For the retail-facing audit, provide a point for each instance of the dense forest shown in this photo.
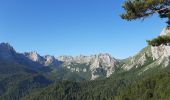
(29, 85)
(17, 80)
(150, 85)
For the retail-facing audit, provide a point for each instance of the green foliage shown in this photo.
(159, 40)
(137, 9)
(150, 87)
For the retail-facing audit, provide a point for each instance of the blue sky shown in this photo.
(74, 27)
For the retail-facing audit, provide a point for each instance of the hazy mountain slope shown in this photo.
(8, 54)
(18, 80)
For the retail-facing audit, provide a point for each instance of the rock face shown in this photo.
(144, 57)
(50, 60)
(150, 56)
(102, 62)
(34, 56)
(165, 31)
(102, 65)
(43, 60)
(160, 51)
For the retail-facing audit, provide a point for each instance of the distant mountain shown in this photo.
(87, 67)
(43, 60)
(8, 54)
(101, 65)
(144, 76)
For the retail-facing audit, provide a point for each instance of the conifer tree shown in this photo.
(140, 9)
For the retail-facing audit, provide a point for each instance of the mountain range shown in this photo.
(30, 71)
(100, 65)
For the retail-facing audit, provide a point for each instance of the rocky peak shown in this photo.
(101, 64)
(6, 47)
(34, 56)
(159, 55)
(6, 51)
(65, 58)
(105, 58)
(165, 31)
(162, 50)
(51, 60)
(98, 60)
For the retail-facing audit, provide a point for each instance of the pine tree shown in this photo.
(140, 9)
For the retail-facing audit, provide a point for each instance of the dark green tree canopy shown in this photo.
(140, 9)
